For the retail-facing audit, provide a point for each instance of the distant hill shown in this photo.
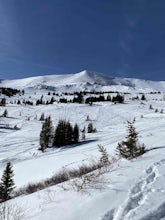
(85, 80)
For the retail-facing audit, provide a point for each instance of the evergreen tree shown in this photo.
(42, 118)
(52, 100)
(104, 159)
(118, 98)
(80, 98)
(46, 135)
(130, 148)
(3, 102)
(143, 98)
(76, 133)
(5, 113)
(18, 102)
(59, 138)
(108, 98)
(7, 183)
(83, 133)
(68, 132)
(90, 128)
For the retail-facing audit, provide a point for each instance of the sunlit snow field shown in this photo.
(132, 190)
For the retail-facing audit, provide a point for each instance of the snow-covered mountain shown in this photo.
(129, 190)
(84, 80)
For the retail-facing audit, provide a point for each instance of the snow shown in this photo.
(81, 81)
(132, 190)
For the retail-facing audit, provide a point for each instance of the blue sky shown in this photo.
(122, 38)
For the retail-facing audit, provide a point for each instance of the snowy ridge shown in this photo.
(85, 80)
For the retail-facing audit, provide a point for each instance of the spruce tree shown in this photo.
(46, 134)
(104, 159)
(68, 130)
(7, 183)
(76, 133)
(130, 148)
(143, 98)
(90, 128)
(59, 137)
(5, 113)
(42, 118)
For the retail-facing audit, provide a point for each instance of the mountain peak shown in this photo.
(84, 80)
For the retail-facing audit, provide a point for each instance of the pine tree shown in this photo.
(5, 113)
(76, 134)
(68, 131)
(90, 128)
(104, 159)
(130, 148)
(143, 98)
(108, 97)
(42, 118)
(3, 102)
(7, 183)
(59, 137)
(46, 134)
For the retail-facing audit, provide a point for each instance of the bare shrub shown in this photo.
(86, 181)
(94, 179)
(48, 197)
(9, 211)
(82, 176)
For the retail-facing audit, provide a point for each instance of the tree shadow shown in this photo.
(154, 148)
(62, 148)
(8, 128)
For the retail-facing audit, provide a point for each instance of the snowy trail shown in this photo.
(138, 198)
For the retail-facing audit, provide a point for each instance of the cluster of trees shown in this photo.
(80, 99)
(42, 102)
(10, 92)
(90, 93)
(100, 98)
(63, 134)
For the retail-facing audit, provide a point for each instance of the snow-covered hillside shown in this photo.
(85, 80)
(131, 190)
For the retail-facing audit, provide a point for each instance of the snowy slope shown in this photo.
(133, 190)
(85, 80)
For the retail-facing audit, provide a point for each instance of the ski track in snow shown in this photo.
(137, 197)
